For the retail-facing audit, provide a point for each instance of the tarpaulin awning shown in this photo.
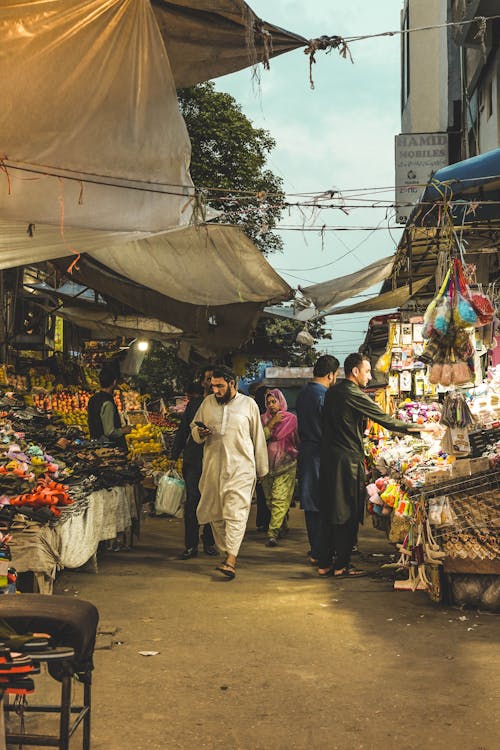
(108, 325)
(207, 265)
(213, 328)
(207, 39)
(22, 243)
(465, 177)
(387, 301)
(90, 130)
(330, 293)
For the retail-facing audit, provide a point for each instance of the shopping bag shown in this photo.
(171, 494)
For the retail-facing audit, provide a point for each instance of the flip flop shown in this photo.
(351, 573)
(227, 569)
(325, 572)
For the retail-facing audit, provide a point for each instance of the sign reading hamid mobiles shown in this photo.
(418, 155)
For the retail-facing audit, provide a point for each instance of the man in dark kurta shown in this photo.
(309, 407)
(342, 472)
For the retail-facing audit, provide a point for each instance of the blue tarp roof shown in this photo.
(466, 177)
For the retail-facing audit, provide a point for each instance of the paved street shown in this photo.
(280, 659)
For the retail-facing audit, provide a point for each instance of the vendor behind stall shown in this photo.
(103, 417)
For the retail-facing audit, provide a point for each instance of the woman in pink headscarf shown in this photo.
(280, 428)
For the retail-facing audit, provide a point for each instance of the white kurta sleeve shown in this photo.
(198, 417)
(259, 442)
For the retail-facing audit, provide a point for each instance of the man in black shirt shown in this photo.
(191, 471)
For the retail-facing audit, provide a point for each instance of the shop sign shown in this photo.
(59, 334)
(417, 157)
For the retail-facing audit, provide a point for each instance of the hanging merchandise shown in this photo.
(484, 308)
(447, 321)
(456, 412)
(429, 328)
(463, 311)
(384, 361)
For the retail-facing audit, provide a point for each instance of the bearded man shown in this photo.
(235, 454)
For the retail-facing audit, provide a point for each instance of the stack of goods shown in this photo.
(41, 380)
(130, 400)
(27, 480)
(145, 439)
(70, 405)
(45, 474)
(468, 527)
(447, 328)
(8, 379)
(418, 412)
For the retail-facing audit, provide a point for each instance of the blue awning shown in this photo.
(466, 177)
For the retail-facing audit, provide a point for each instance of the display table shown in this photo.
(74, 541)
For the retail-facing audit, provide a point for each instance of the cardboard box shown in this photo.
(436, 477)
(479, 465)
(461, 468)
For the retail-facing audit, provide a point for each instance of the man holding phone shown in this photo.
(228, 424)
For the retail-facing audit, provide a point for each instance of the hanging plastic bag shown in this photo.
(442, 316)
(428, 328)
(463, 312)
(447, 515)
(462, 345)
(171, 495)
(384, 361)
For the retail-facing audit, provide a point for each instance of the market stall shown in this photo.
(60, 495)
(439, 499)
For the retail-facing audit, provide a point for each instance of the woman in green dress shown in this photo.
(280, 429)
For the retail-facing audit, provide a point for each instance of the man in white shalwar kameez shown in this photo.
(235, 454)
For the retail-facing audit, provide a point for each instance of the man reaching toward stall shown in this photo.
(342, 472)
(235, 452)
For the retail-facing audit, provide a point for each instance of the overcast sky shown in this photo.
(341, 135)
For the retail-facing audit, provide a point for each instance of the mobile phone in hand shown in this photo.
(201, 425)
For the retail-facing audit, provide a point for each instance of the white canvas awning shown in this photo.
(207, 265)
(130, 326)
(328, 294)
(387, 301)
(90, 130)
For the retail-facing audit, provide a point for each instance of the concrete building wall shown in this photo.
(425, 110)
(489, 110)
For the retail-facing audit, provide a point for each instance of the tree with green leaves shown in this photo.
(228, 161)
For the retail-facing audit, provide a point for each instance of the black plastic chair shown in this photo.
(73, 624)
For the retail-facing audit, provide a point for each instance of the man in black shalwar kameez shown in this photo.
(342, 471)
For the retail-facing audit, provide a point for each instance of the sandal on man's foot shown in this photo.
(325, 572)
(227, 569)
(350, 572)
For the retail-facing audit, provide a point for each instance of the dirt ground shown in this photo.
(279, 658)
